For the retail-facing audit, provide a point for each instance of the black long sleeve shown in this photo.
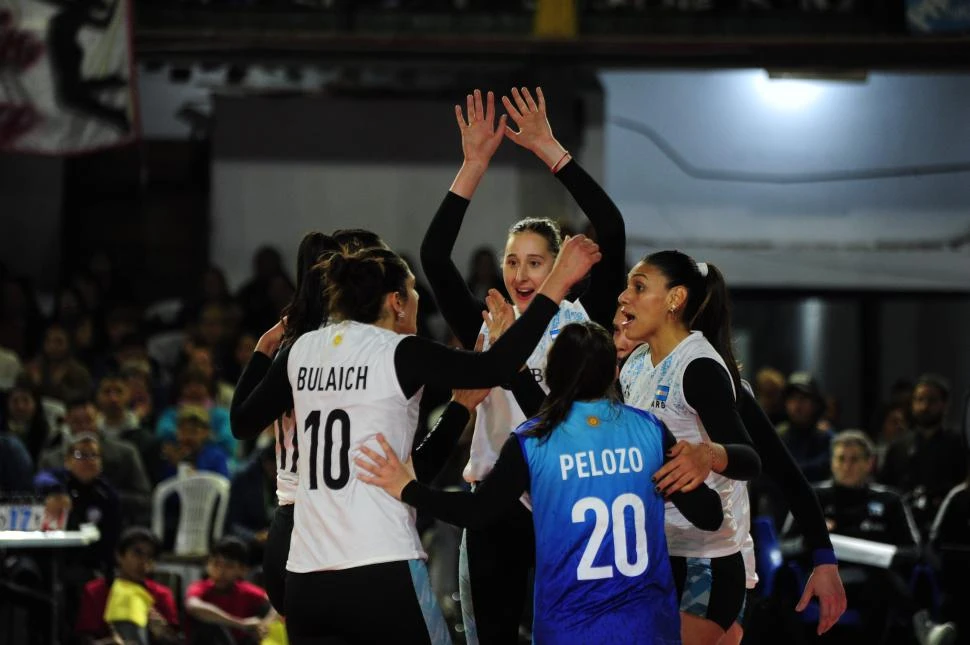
(608, 276)
(459, 306)
(419, 361)
(499, 491)
(506, 482)
(778, 464)
(262, 395)
(435, 449)
(707, 388)
(527, 392)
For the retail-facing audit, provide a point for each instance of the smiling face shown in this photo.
(624, 346)
(528, 261)
(646, 302)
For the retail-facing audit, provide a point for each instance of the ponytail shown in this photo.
(356, 283)
(708, 307)
(581, 366)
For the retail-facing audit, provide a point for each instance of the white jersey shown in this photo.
(499, 414)
(659, 389)
(287, 452)
(345, 392)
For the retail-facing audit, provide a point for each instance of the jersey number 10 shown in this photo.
(621, 549)
(343, 467)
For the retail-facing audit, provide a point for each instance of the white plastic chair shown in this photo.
(164, 311)
(165, 347)
(203, 498)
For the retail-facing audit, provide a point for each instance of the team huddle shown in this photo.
(625, 495)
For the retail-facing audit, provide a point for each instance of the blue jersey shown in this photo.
(602, 573)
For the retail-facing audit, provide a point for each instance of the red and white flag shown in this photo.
(67, 82)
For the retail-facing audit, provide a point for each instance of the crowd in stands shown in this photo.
(103, 397)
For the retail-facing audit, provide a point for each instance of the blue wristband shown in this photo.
(823, 556)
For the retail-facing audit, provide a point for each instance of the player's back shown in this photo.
(345, 392)
(602, 572)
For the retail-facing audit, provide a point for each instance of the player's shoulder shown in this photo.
(629, 412)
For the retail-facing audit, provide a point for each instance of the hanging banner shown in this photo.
(66, 76)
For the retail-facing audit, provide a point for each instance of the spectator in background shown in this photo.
(901, 394)
(135, 559)
(769, 387)
(805, 438)
(55, 371)
(225, 609)
(211, 290)
(254, 295)
(194, 388)
(950, 538)
(252, 501)
(889, 424)
(245, 346)
(929, 460)
(16, 467)
(119, 421)
(71, 311)
(138, 376)
(25, 418)
(202, 359)
(112, 286)
(484, 273)
(193, 445)
(20, 318)
(119, 461)
(79, 488)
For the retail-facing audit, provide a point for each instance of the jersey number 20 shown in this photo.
(343, 467)
(621, 549)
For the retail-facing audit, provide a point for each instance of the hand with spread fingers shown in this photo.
(499, 316)
(386, 471)
(479, 136)
(688, 467)
(826, 585)
(534, 132)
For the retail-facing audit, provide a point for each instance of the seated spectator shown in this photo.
(16, 467)
(135, 558)
(854, 507)
(197, 390)
(769, 387)
(245, 346)
(203, 359)
(247, 518)
(484, 273)
(807, 441)
(122, 465)
(25, 418)
(79, 489)
(55, 371)
(225, 609)
(950, 538)
(928, 461)
(118, 420)
(888, 425)
(193, 445)
(142, 392)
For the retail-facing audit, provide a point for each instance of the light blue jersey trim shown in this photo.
(433, 618)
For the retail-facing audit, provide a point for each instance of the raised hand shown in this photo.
(386, 471)
(576, 257)
(499, 317)
(269, 342)
(479, 136)
(534, 132)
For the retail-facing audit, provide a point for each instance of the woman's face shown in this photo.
(21, 406)
(56, 347)
(645, 302)
(528, 261)
(624, 346)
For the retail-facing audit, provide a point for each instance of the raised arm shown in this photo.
(608, 278)
(244, 405)
(479, 141)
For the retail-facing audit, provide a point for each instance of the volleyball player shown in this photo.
(352, 547)
(602, 573)
(495, 561)
(306, 312)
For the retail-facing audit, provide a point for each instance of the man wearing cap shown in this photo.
(807, 441)
(929, 460)
(193, 447)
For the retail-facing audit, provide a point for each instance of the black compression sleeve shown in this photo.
(608, 276)
(419, 361)
(707, 388)
(434, 451)
(459, 306)
(780, 466)
(701, 506)
(527, 392)
(256, 406)
(498, 492)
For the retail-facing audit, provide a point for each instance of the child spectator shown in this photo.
(193, 445)
(225, 609)
(194, 388)
(135, 558)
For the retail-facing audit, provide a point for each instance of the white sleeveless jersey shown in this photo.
(287, 452)
(345, 392)
(659, 389)
(499, 414)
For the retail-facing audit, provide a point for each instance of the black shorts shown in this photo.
(711, 588)
(391, 602)
(275, 554)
